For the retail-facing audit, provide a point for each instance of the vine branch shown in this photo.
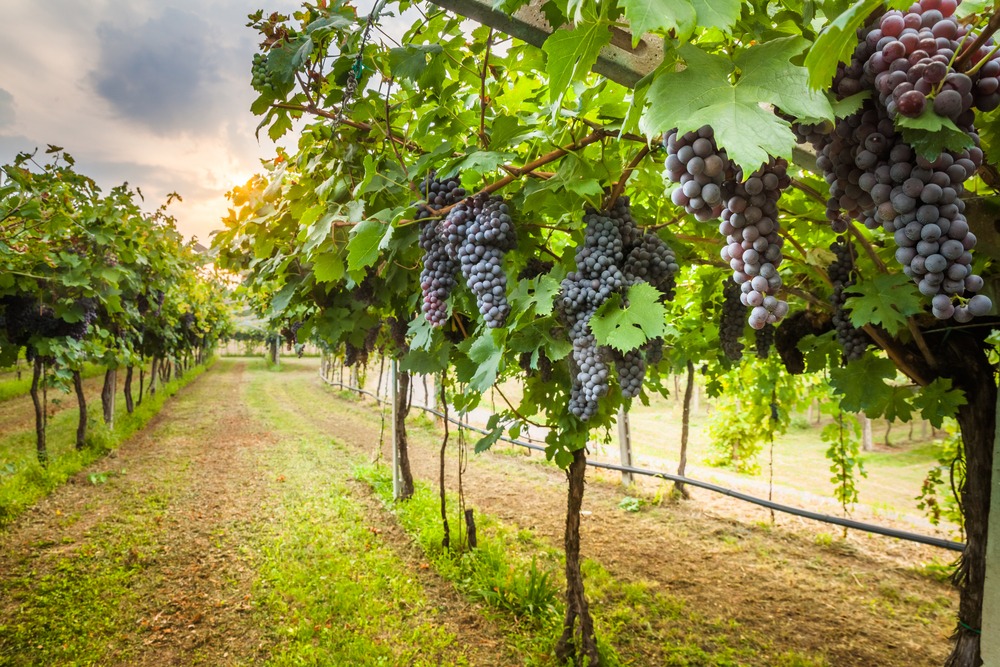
(619, 187)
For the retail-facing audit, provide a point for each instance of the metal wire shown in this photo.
(708, 486)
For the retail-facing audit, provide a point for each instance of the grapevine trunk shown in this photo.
(578, 639)
(972, 372)
(108, 395)
(43, 455)
(129, 403)
(406, 476)
(81, 429)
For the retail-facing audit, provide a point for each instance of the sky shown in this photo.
(152, 92)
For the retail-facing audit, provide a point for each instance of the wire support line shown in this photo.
(708, 486)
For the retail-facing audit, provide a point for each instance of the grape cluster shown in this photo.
(544, 365)
(841, 272)
(703, 171)
(711, 186)
(615, 254)
(631, 369)
(437, 278)
(750, 223)
(793, 329)
(488, 235)
(731, 319)
(907, 61)
(763, 339)
(26, 317)
(261, 77)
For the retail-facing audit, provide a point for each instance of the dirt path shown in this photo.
(853, 601)
(160, 565)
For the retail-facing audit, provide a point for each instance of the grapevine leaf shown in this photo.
(410, 61)
(929, 134)
(648, 15)
(490, 439)
(487, 355)
(479, 162)
(886, 300)
(366, 237)
(280, 301)
(329, 267)
(721, 14)
(970, 7)
(938, 400)
(702, 94)
(423, 362)
(571, 54)
(767, 74)
(862, 386)
(836, 43)
(627, 328)
(505, 130)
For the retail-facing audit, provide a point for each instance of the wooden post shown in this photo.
(867, 443)
(990, 637)
(397, 482)
(625, 444)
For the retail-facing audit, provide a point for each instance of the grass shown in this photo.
(12, 387)
(331, 590)
(24, 481)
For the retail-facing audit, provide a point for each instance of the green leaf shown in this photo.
(485, 352)
(886, 300)
(479, 162)
(930, 134)
(281, 300)
(409, 62)
(572, 53)
(939, 400)
(328, 268)
(648, 15)
(423, 362)
(836, 43)
(363, 247)
(721, 14)
(505, 130)
(630, 327)
(703, 94)
(861, 384)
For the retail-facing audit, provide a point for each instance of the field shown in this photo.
(248, 524)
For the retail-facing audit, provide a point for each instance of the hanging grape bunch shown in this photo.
(261, 78)
(841, 272)
(615, 254)
(437, 278)
(711, 186)
(914, 63)
(703, 171)
(489, 233)
(763, 340)
(732, 316)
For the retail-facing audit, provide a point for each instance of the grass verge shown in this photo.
(12, 387)
(24, 481)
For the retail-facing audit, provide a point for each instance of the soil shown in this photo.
(792, 585)
(855, 601)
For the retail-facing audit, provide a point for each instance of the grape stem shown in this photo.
(515, 411)
(395, 148)
(809, 190)
(918, 338)
(896, 355)
(619, 187)
(866, 244)
(985, 59)
(991, 27)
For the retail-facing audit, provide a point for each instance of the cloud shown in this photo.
(166, 74)
(7, 115)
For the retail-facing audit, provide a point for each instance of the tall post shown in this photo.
(990, 637)
(625, 443)
(397, 482)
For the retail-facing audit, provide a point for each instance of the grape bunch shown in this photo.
(261, 77)
(615, 254)
(712, 186)
(631, 369)
(907, 60)
(753, 250)
(489, 233)
(703, 171)
(763, 339)
(437, 278)
(731, 319)
(841, 272)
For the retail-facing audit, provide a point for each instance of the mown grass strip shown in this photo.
(24, 481)
(331, 590)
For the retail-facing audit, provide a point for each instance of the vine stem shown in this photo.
(483, 103)
(991, 27)
(619, 187)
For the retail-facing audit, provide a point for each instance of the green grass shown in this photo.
(12, 387)
(24, 481)
(331, 591)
